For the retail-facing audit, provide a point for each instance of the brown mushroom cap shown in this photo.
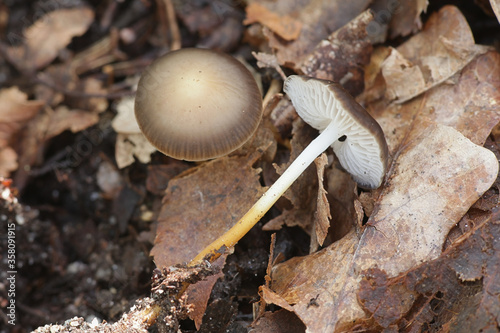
(197, 104)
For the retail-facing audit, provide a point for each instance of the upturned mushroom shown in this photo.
(197, 104)
(356, 138)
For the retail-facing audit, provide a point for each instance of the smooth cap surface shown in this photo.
(197, 104)
(361, 146)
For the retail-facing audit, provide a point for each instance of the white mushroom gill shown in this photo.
(320, 104)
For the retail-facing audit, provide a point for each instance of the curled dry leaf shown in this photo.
(160, 174)
(386, 302)
(130, 145)
(342, 196)
(319, 19)
(63, 119)
(43, 40)
(406, 16)
(15, 113)
(319, 277)
(343, 55)
(432, 56)
(402, 77)
(125, 122)
(322, 216)
(8, 161)
(471, 105)
(130, 141)
(265, 60)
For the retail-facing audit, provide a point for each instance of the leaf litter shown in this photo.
(408, 256)
(436, 175)
(48, 36)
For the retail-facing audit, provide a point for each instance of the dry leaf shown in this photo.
(49, 35)
(130, 145)
(44, 127)
(124, 121)
(61, 83)
(342, 196)
(342, 57)
(446, 301)
(435, 54)
(63, 119)
(217, 24)
(282, 25)
(273, 298)
(262, 141)
(200, 206)
(402, 77)
(319, 19)
(160, 174)
(375, 87)
(495, 5)
(265, 60)
(406, 16)
(199, 293)
(438, 175)
(15, 113)
(90, 86)
(471, 105)
(424, 198)
(281, 321)
(322, 216)
(202, 203)
(283, 116)
(8, 161)
(317, 278)
(386, 302)
(130, 141)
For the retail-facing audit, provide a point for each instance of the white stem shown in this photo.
(260, 208)
(308, 155)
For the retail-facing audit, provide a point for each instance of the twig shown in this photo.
(175, 44)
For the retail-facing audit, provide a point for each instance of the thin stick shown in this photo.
(175, 34)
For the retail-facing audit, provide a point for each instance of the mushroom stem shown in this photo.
(260, 208)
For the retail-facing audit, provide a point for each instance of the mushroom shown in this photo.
(357, 140)
(197, 104)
